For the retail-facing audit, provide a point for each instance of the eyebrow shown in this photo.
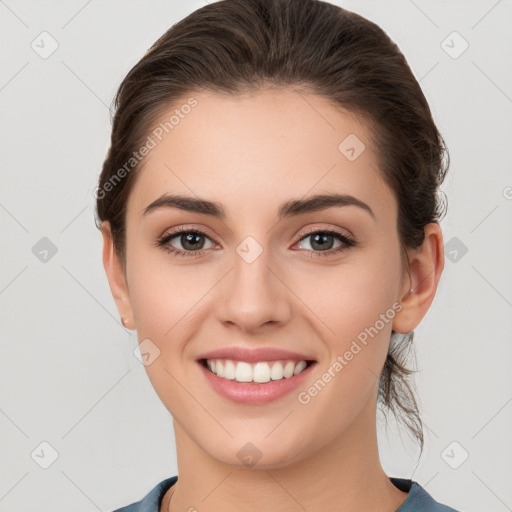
(288, 209)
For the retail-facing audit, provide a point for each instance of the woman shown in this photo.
(269, 209)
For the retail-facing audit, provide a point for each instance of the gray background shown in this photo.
(69, 376)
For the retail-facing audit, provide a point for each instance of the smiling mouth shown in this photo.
(259, 373)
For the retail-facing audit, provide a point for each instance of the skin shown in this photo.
(251, 154)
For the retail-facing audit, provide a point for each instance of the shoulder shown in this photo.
(418, 499)
(150, 502)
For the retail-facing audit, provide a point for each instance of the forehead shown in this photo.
(255, 150)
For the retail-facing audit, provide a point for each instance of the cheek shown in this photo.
(167, 300)
(164, 296)
(351, 297)
(358, 309)
(355, 311)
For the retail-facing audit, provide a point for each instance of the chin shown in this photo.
(260, 453)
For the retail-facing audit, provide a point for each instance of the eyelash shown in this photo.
(347, 242)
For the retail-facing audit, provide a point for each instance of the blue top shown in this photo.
(418, 500)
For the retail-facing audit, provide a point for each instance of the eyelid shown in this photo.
(186, 228)
(330, 227)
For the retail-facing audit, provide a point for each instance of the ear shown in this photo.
(419, 288)
(116, 277)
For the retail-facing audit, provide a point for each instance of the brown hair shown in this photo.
(237, 46)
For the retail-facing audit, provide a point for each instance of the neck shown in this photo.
(346, 471)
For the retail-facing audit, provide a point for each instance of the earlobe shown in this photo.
(116, 278)
(426, 264)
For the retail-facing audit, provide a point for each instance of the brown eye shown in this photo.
(322, 241)
(189, 242)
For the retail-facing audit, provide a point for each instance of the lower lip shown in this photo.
(254, 393)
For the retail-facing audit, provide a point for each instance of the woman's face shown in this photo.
(269, 271)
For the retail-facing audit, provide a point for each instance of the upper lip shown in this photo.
(254, 355)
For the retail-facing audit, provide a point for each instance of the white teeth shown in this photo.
(276, 372)
(260, 372)
(288, 369)
(299, 367)
(243, 372)
(229, 370)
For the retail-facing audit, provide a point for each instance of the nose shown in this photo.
(253, 296)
